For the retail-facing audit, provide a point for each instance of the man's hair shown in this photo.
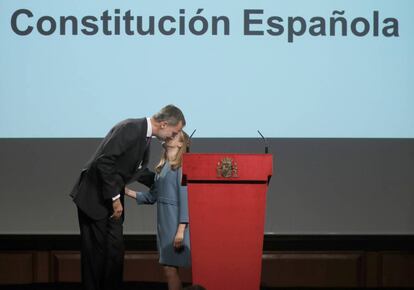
(170, 114)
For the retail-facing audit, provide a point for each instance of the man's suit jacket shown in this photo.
(121, 158)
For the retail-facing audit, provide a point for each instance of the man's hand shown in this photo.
(117, 206)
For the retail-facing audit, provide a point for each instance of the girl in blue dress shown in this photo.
(173, 240)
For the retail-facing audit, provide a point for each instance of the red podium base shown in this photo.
(227, 219)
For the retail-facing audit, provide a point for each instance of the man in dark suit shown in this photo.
(121, 158)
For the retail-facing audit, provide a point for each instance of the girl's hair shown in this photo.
(177, 162)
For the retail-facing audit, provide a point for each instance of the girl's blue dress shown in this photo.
(172, 209)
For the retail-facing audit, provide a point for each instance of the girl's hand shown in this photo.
(178, 240)
(130, 192)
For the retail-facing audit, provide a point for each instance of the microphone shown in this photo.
(189, 139)
(265, 141)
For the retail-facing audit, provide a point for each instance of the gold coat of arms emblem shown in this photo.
(227, 168)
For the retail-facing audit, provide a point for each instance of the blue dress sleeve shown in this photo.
(149, 197)
(182, 199)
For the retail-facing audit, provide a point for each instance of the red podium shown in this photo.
(227, 201)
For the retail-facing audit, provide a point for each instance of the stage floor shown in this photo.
(144, 286)
(77, 286)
